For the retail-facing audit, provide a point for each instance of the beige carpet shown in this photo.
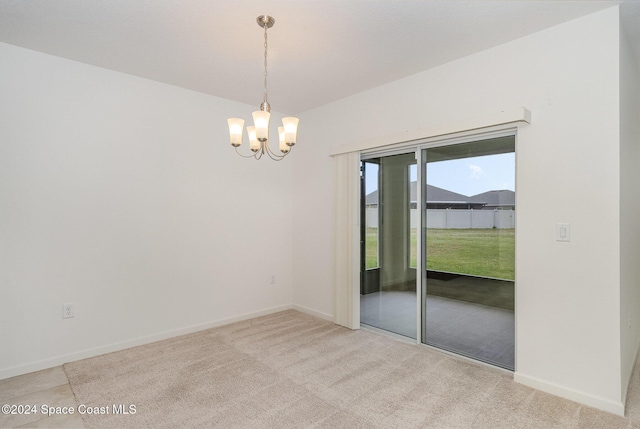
(290, 370)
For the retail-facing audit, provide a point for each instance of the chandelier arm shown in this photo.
(273, 155)
(255, 155)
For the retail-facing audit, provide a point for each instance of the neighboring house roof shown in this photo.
(435, 194)
(497, 198)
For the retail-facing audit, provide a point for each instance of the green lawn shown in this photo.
(371, 247)
(479, 252)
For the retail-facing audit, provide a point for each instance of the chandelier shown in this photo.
(259, 132)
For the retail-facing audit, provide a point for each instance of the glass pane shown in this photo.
(388, 290)
(413, 251)
(371, 215)
(469, 278)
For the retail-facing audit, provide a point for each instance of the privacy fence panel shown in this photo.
(456, 219)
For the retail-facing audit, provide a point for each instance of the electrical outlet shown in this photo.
(68, 311)
(273, 279)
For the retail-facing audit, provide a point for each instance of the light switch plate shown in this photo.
(563, 232)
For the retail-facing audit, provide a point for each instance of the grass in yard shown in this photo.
(478, 252)
(371, 248)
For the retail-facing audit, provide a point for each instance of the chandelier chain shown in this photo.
(265, 63)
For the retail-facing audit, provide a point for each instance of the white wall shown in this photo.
(314, 224)
(629, 209)
(567, 305)
(123, 196)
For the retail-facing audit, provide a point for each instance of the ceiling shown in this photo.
(319, 50)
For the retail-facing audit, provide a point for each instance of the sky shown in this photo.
(466, 176)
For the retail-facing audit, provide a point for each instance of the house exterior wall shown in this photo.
(568, 298)
(123, 196)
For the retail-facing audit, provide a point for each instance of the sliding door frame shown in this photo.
(417, 147)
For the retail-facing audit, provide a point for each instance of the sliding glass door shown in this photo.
(438, 246)
(468, 239)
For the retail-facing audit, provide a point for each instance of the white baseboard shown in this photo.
(598, 402)
(302, 309)
(87, 353)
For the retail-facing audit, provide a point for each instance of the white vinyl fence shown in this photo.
(456, 219)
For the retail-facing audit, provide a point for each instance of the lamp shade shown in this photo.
(290, 130)
(254, 144)
(284, 148)
(261, 122)
(236, 125)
